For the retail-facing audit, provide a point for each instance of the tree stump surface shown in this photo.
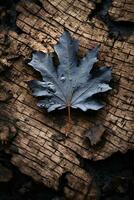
(122, 10)
(40, 148)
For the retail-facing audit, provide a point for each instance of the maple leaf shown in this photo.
(72, 83)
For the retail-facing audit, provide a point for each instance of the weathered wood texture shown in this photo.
(122, 10)
(41, 149)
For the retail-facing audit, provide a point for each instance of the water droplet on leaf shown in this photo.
(62, 78)
(51, 86)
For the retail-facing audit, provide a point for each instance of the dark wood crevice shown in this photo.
(119, 30)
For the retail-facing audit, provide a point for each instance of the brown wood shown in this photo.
(40, 148)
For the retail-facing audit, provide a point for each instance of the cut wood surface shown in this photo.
(122, 10)
(41, 148)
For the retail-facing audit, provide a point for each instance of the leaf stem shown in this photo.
(68, 126)
(69, 114)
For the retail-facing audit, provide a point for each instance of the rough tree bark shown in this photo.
(40, 148)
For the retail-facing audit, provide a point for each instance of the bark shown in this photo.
(41, 148)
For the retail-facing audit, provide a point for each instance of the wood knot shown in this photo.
(7, 133)
(5, 95)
